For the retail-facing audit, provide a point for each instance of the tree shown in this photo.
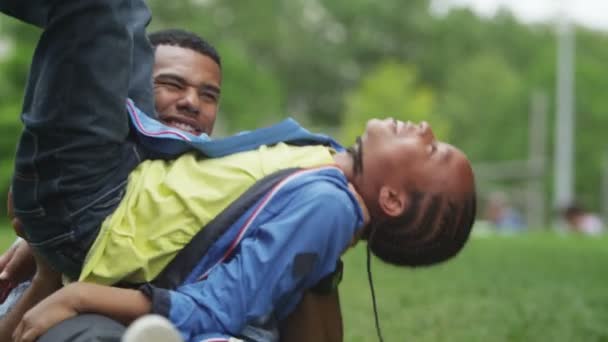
(486, 101)
(391, 89)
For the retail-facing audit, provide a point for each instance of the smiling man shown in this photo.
(187, 82)
(187, 79)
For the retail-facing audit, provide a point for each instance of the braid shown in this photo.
(434, 229)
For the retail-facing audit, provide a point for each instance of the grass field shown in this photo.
(538, 287)
(542, 287)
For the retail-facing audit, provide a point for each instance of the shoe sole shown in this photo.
(151, 328)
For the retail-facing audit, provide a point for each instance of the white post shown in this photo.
(537, 137)
(564, 127)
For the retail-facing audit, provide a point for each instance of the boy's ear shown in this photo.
(393, 202)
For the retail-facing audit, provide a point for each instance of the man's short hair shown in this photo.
(187, 40)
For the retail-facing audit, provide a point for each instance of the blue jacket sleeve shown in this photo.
(299, 243)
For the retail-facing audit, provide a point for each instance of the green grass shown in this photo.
(539, 287)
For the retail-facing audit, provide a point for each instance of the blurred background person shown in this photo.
(502, 216)
(581, 221)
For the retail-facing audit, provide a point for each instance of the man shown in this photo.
(187, 82)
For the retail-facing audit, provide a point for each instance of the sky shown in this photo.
(589, 13)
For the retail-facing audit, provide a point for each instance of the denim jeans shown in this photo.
(75, 152)
(85, 328)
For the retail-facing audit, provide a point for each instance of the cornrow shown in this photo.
(429, 217)
(437, 233)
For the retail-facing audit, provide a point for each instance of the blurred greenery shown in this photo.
(390, 90)
(7, 236)
(334, 63)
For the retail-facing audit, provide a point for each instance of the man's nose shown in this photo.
(190, 102)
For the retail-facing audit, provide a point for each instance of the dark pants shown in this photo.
(85, 328)
(75, 152)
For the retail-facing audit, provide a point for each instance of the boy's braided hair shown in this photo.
(432, 230)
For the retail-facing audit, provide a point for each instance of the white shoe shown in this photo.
(151, 328)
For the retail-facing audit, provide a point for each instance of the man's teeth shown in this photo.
(183, 126)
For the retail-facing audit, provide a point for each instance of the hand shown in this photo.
(17, 264)
(48, 313)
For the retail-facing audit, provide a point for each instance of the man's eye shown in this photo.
(173, 85)
(208, 96)
(170, 85)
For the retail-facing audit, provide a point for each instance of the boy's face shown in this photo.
(401, 155)
(186, 89)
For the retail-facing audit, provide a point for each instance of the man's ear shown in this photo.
(392, 201)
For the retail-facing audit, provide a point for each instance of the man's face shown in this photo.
(406, 155)
(186, 89)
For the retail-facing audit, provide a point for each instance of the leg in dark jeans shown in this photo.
(36, 12)
(74, 154)
(30, 11)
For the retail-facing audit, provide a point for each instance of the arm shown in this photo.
(39, 289)
(44, 283)
(123, 305)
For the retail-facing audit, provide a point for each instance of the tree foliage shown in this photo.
(335, 63)
(390, 89)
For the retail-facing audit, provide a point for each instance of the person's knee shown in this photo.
(85, 328)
